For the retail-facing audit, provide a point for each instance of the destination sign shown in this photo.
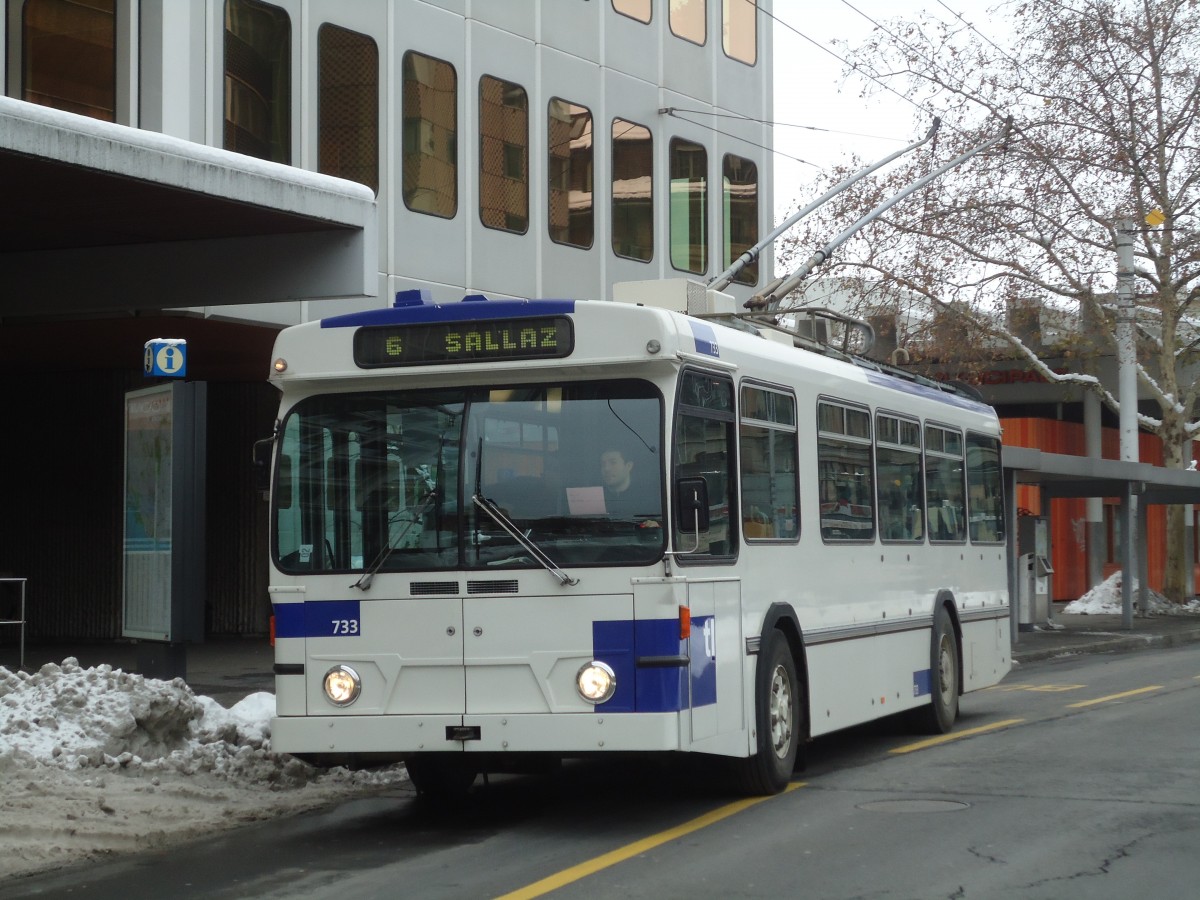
(441, 343)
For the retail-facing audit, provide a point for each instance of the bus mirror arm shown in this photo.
(691, 509)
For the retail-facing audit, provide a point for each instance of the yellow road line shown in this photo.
(591, 866)
(1121, 696)
(954, 736)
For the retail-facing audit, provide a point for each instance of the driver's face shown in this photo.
(614, 470)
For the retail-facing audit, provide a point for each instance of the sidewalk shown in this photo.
(229, 669)
(1071, 635)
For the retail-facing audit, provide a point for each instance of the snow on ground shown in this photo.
(96, 762)
(1105, 599)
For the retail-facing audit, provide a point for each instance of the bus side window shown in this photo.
(703, 448)
(768, 451)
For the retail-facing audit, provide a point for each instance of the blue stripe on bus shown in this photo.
(326, 618)
(656, 689)
(923, 683)
(705, 338)
(464, 311)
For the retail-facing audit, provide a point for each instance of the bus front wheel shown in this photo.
(778, 720)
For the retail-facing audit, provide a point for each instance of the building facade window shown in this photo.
(740, 212)
(69, 57)
(632, 191)
(258, 80)
(503, 155)
(689, 206)
(739, 20)
(430, 151)
(689, 20)
(572, 212)
(348, 105)
(635, 9)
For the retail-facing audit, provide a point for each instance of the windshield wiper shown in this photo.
(513, 532)
(364, 580)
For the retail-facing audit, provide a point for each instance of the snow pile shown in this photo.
(1105, 599)
(96, 761)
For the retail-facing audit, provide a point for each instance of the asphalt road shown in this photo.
(1073, 778)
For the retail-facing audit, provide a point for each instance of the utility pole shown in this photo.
(1127, 398)
(1126, 346)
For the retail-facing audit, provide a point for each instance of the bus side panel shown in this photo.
(856, 680)
(986, 649)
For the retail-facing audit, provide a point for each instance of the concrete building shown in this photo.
(215, 170)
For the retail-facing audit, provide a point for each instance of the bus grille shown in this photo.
(492, 587)
(421, 588)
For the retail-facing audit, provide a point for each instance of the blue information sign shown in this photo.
(165, 358)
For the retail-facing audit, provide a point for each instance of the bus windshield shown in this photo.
(427, 480)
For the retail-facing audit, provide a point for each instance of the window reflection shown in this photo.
(571, 171)
(69, 55)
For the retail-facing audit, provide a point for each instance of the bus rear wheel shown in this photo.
(938, 717)
(778, 720)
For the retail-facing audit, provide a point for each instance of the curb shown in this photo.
(1106, 643)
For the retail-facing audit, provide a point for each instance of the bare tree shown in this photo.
(1106, 99)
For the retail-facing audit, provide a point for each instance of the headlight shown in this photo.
(342, 685)
(596, 682)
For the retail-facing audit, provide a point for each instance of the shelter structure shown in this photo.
(1137, 485)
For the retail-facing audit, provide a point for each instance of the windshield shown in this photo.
(388, 481)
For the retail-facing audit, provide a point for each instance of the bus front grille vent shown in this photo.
(492, 587)
(421, 588)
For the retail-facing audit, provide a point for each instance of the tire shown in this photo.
(778, 719)
(938, 717)
(439, 776)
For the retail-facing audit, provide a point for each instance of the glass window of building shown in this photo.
(348, 105)
(569, 132)
(688, 20)
(740, 38)
(503, 155)
(689, 206)
(430, 135)
(258, 80)
(635, 9)
(632, 190)
(69, 57)
(740, 212)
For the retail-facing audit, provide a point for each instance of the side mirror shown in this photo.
(260, 456)
(691, 505)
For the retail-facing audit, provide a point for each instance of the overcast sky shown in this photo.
(811, 91)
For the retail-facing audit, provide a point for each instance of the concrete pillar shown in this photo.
(1097, 539)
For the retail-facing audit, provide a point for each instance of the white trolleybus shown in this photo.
(507, 532)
